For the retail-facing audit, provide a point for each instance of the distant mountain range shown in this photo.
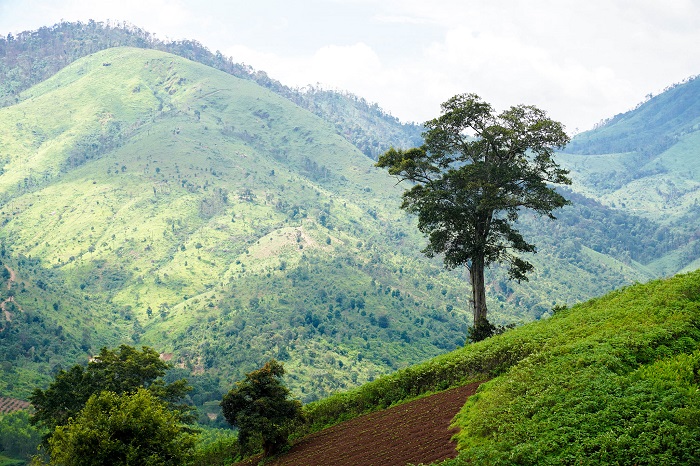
(200, 207)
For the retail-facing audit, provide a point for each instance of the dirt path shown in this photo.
(3, 305)
(13, 277)
(415, 432)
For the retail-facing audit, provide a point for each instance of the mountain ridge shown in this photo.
(211, 218)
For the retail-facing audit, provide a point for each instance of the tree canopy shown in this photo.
(126, 429)
(260, 405)
(125, 370)
(472, 176)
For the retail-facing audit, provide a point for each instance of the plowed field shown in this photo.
(415, 432)
(8, 405)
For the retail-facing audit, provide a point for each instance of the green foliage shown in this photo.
(230, 278)
(125, 370)
(615, 384)
(18, 438)
(259, 406)
(468, 192)
(126, 429)
(215, 448)
(195, 269)
(611, 381)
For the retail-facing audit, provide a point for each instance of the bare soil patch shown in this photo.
(9, 405)
(414, 432)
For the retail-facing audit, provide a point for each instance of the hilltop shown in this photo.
(33, 56)
(150, 199)
(645, 163)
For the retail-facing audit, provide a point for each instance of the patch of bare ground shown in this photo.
(414, 432)
(9, 405)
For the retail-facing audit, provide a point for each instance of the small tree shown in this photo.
(260, 405)
(119, 371)
(472, 177)
(127, 429)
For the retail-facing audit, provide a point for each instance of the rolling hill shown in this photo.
(613, 380)
(179, 203)
(150, 199)
(645, 163)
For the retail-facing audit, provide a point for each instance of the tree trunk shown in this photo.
(476, 274)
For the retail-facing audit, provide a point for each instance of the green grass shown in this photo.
(610, 381)
(5, 461)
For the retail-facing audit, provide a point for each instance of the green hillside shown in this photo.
(644, 161)
(152, 200)
(644, 164)
(648, 130)
(171, 198)
(610, 381)
(31, 57)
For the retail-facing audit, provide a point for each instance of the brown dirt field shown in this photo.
(9, 405)
(414, 432)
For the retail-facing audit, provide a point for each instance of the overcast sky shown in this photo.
(580, 60)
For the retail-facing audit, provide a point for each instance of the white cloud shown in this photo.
(580, 61)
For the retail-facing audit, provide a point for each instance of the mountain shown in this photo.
(33, 56)
(146, 198)
(610, 381)
(176, 202)
(646, 163)
(150, 199)
(651, 128)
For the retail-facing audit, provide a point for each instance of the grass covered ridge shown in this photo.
(612, 380)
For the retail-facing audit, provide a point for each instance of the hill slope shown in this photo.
(610, 381)
(199, 212)
(645, 163)
(148, 199)
(33, 56)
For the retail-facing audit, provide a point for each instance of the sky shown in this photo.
(582, 61)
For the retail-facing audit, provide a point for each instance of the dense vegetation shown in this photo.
(266, 237)
(610, 381)
(147, 199)
(470, 181)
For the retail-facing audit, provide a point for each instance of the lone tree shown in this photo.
(474, 173)
(259, 405)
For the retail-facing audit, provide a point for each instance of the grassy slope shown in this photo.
(613, 380)
(208, 217)
(645, 163)
(205, 253)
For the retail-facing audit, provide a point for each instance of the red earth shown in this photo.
(414, 432)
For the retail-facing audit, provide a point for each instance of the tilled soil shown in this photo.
(414, 432)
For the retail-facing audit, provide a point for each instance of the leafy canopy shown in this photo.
(471, 177)
(469, 187)
(125, 370)
(126, 429)
(259, 405)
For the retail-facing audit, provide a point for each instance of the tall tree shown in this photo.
(260, 405)
(472, 176)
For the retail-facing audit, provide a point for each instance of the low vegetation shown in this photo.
(269, 235)
(610, 381)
